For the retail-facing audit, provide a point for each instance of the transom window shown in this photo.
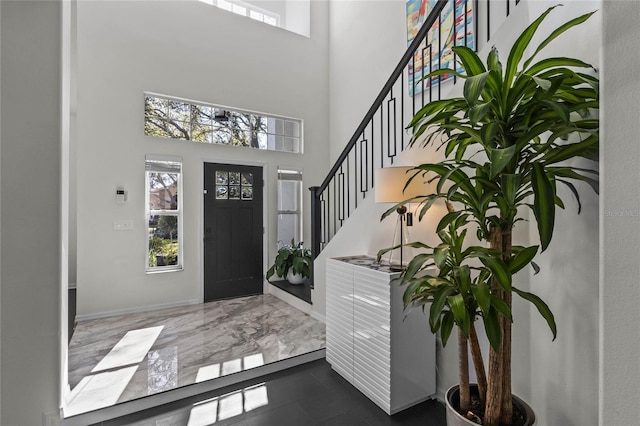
(206, 123)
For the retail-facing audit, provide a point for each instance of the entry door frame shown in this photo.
(265, 203)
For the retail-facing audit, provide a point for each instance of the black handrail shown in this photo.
(352, 175)
(397, 72)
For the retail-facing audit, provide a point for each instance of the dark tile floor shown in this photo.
(310, 394)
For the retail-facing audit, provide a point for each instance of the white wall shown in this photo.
(30, 192)
(367, 39)
(619, 216)
(190, 50)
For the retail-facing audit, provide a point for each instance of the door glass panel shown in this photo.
(222, 178)
(247, 179)
(234, 178)
(234, 192)
(221, 193)
(247, 193)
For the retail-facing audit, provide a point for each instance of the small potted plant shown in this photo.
(293, 262)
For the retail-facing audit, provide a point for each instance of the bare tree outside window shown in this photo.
(169, 118)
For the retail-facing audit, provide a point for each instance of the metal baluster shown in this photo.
(476, 33)
(372, 153)
(348, 191)
(355, 163)
(341, 197)
(391, 120)
(402, 110)
(422, 69)
(488, 20)
(430, 82)
(364, 152)
(455, 37)
(381, 136)
(440, 55)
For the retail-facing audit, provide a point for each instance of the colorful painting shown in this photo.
(455, 28)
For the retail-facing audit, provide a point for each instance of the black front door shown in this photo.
(233, 231)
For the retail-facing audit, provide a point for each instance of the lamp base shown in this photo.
(396, 268)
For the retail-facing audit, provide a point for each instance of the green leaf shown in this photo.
(522, 258)
(542, 83)
(446, 326)
(492, 329)
(557, 32)
(500, 158)
(473, 87)
(440, 255)
(416, 264)
(470, 60)
(447, 219)
(463, 277)
(543, 204)
(584, 148)
(493, 61)
(510, 184)
(542, 308)
(519, 47)
(560, 110)
(500, 271)
(478, 112)
(573, 189)
(438, 305)
(502, 307)
(482, 295)
(550, 63)
(456, 303)
(413, 290)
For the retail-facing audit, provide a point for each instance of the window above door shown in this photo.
(200, 122)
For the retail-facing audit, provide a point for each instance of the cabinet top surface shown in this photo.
(369, 262)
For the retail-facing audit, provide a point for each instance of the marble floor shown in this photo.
(117, 359)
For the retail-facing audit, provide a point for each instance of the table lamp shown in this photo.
(390, 188)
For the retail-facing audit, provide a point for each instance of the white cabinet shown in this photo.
(389, 358)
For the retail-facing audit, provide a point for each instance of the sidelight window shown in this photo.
(163, 183)
(289, 206)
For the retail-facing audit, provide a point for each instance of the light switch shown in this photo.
(123, 225)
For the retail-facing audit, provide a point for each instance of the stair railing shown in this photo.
(381, 134)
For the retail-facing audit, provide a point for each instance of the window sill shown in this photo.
(163, 271)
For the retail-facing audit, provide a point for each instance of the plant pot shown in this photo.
(456, 419)
(294, 278)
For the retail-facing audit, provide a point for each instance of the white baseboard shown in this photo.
(106, 314)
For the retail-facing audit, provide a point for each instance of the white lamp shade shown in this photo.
(389, 183)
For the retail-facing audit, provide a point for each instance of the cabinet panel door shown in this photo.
(339, 314)
(372, 336)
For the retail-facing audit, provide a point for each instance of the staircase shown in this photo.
(381, 135)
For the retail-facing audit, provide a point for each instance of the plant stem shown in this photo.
(493, 406)
(478, 364)
(463, 360)
(507, 406)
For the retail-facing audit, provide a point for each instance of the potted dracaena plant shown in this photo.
(508, 144)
